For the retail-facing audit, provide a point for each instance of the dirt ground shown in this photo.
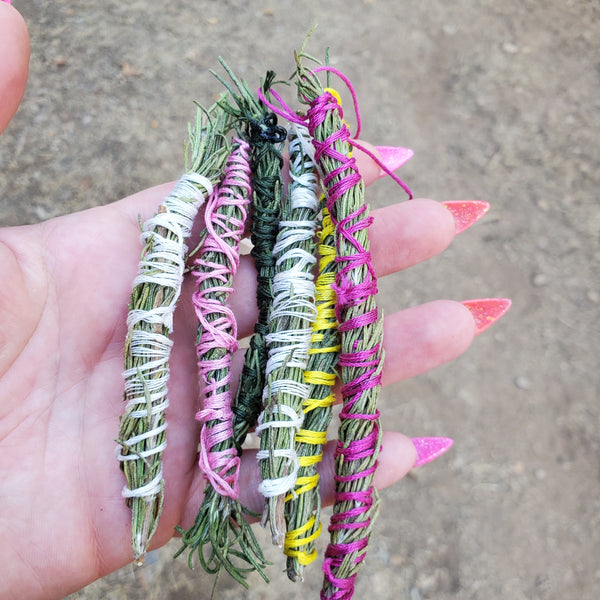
(500, 101)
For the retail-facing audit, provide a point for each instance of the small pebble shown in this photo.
(540, 280)
(518, 468)
(543, 204)
(449, 29)
(510, 48)
(523, 382)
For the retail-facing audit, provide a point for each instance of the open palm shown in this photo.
(63, 304)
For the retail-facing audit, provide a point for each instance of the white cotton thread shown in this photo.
(143, 454)
(295, 420)
(271, 488)
(293, 288)
(292, 314)
(162, 264)
(143, 436)
(152, 488)
(291, 352)
(302, 137)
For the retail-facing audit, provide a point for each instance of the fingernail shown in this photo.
(429, 448)
(466, 212)
(393, 157)
(486, 311)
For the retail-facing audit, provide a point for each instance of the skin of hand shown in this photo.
(63, 304)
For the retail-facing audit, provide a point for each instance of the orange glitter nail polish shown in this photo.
(466, 212)
(486, 311)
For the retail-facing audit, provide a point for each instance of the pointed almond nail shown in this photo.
(486, 311)
(430, 448)
(466, 212)
(393, 157)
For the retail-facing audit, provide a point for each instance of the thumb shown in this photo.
(14, 62)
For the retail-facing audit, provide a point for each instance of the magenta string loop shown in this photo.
(350, 87)
(329, 102)
(283, 110)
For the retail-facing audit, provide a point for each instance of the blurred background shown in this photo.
(500, 101)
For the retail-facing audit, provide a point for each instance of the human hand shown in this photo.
(67, 281)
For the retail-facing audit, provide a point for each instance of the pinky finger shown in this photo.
(397, 457)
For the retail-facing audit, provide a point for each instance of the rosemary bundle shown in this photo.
(304, 333)
(361, 332)
(288, 341)
(220, 522)
(303, 507)
(213, 268)
(156, 290)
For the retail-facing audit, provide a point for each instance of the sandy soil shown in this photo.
(500, 101)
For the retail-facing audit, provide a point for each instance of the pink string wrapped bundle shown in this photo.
(361, 331)
(221, 524)
(217, 262)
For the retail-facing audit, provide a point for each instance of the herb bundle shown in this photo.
(304, 334)
(288, 340)
(220, 523)
(214, 268)
(303, 507)
(266, 142)
(361, 333)
(156, 290)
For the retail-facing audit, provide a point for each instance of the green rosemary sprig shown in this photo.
(222, 527)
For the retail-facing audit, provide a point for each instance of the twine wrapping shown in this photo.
(288, 340)
(155, 293)
(220, 522)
